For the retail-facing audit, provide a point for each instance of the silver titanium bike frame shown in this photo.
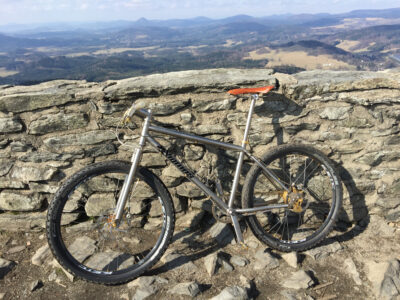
(225, 207)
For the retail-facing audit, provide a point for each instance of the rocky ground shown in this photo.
(206, 263)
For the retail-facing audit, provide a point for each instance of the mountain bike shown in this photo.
(112, 221)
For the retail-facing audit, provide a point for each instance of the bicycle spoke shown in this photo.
(309, 197)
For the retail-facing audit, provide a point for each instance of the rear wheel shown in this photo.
(85, 239)
(314, 197)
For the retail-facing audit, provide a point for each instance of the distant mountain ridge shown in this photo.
(199, 21)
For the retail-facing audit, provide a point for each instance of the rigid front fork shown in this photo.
(136, 157)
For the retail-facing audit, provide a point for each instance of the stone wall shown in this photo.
(49, 131)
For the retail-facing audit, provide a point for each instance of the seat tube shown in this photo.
(136, 157)
(239, 165)
(241, 155)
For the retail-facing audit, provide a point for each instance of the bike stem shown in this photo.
(136, 157)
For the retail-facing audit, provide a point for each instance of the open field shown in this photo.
(353, 23)
(299, 59)
(5, 73)
(121, 50)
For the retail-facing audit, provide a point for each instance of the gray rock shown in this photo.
(38, 157)
(16, 249)
(41, 255)
(189, 189)
(5, 267)
(222, 233)
(291, 259)
(371, 97)
(164, 108)
(207, 129)
(58, 122)
(26, 174)
(19, 146)
(288, 296)
(8, 125)
(20, 202)
(393, 140)
(11, 184)
(232, 293)
(145, 281)
(191, 289)
(153, 160)
(56, 265)
(261, 138)
(319, 82)
(213, 105)
(82, 248)
(53, 276)
(385, 278)
(264, 260)
(5, 167)
(188, 267)
(23, 222)
(187, 81)
(324, 251)
(380, 227)
(193, 152)
(293, 129)
(179, 262)
(191, 219)
(202, 204)
(108, 108)
(99, 204)
(35, 285)
(171, 171)
(351, 269)
(43, 188)
(4, 143)
(79, 139)
(298, 280)
(253, 244)
(225, 264)
(145, 292)
(186, 118)
(239, 261)
(246, 283)
(33, 101)
(211, 263)
(110, 260)
(335, 113)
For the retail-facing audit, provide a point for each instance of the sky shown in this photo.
(45, 11)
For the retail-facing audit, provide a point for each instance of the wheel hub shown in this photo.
(294, 199)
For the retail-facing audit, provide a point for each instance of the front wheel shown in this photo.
(313, 196)
(85, 239)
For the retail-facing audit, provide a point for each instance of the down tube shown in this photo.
(221, 204)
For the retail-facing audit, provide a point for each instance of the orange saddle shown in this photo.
(259, 90)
